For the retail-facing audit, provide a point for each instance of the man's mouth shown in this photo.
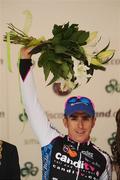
(80, 132)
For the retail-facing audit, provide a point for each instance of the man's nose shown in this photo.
(80, 123)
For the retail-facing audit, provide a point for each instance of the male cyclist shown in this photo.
(69, 157)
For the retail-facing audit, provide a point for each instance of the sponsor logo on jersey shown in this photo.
(77, 164)
(88, 154)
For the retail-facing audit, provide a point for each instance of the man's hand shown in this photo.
(25, 53)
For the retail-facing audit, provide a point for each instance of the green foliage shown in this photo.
(58, 53)
(65, 44)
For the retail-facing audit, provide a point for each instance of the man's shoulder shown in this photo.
(101, 151)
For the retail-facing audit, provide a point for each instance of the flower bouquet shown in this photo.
(69, 55)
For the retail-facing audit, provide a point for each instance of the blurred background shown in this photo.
(104, 87)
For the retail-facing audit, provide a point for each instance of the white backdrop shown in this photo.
(91, 15)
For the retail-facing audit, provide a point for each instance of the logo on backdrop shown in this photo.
(114, 62)
(23, 116)
(111, 142)
(106, 113)
(112, 138)
(1, 61)
(31, 141)
(29, 170)
(59, 116)
(2, 114)
(113, 86)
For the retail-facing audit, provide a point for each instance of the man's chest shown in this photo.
(66, 162)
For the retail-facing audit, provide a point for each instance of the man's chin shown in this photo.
(81, 140)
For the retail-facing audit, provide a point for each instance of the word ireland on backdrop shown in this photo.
(71, 55)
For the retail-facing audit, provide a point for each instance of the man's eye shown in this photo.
(73, 118)
(86, 118)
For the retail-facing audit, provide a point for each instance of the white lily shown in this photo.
(92, 37)
(89, 54)
(90, 47)
(80, 69)
(67, 84)
(105, 55)
(81, 73)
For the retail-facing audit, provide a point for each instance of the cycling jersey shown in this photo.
(62, 158)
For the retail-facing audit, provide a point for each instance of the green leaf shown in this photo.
(102, 68)
(56, 29)
(42, 59)
(68, 60)
(60, 49)
(68, 33)
(82, 50)
(58, 58)
(83, 36)
(75, 27)
(46, 68)
(59, 61)
(57, 39)
(55, 78)
(80, 37)
(65, 70)
(54, 67)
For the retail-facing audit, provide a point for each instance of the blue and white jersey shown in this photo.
(62, 158)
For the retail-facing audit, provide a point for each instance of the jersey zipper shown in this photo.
(78, 172)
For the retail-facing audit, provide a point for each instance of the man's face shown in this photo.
(79, 126)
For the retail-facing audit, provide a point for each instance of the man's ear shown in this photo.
(94, 120)
(65, 122)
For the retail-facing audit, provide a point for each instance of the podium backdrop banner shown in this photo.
(103, 88)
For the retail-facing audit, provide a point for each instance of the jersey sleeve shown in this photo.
(36, 115)
(107, 174)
